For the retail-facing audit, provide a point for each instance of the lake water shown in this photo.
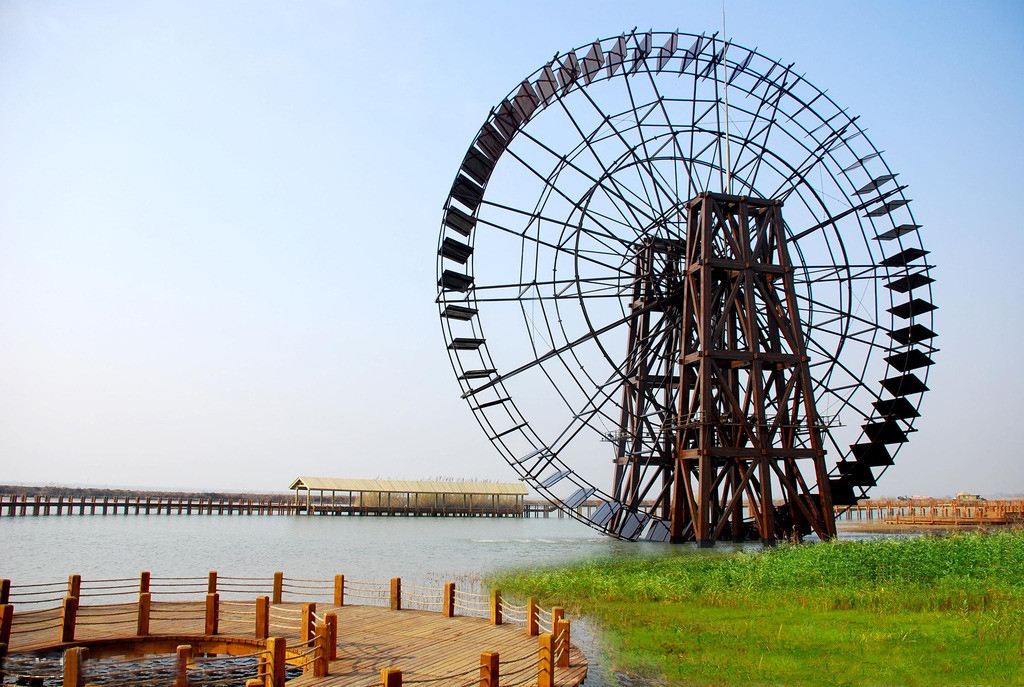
(426, 551)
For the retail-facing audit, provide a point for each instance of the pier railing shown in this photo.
(140, 611)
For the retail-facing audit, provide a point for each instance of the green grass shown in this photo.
(927, 611)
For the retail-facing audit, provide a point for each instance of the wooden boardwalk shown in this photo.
(425, 645)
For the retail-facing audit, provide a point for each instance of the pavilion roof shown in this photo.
(408, 486)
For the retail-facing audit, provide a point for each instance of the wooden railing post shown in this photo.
(278, 587)
(183, 654)
(6, 620)
(489, 669)
(145, 606)
(73, 668)
(332, 636)
(262, 617)
(339, 590)
(448, 602)
(532, 619)
(212, 613)
(308, 626)
(211, 582)
(277, 656)
(546, 661)
(75, 585)
(561, 630)
(5, 591)
(320, 660)
(390, 677)
(68, 614)
(396, 593)
(495, 607)
(144, 582)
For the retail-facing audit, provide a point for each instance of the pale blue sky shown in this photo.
(218, 223)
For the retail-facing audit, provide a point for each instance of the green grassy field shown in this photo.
(926, 611)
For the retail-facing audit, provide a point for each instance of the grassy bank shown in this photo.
(926, 611)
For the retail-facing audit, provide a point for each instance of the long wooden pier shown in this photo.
(14, 505)
(355, 634)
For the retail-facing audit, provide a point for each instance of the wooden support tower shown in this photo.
(717, 357)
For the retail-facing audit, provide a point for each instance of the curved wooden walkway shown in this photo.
(426, 646)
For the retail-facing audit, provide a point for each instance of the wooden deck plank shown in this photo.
(424, 644)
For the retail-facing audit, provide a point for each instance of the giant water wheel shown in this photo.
(683, 292)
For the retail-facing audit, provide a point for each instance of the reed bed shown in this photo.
(923, 611)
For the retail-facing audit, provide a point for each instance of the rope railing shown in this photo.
(35, 585)
(36, 602)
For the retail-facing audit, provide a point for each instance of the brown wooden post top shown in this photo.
(144, 578)
(211, 582)
(396, 593)
(561, 630)
(332, 636)
(532, 621)
(5, 591)
(390, 677)
(320, 660)
(68, 613)
(212, 613)
(546, 660)
(278, 587)
(262, 617)
(448, 602)
(557, 613)
(489, 666)
(73, 668)
(277, 657)
(75, 585)
(307, 628)
(339, 590)
(145, 608)
(495, 607)
(6, 620)
(183, 654)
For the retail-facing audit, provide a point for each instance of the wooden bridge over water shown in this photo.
(355, 634)
(911, 511)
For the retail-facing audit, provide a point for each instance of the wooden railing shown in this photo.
(56, 613)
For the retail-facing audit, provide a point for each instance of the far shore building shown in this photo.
(337, 495)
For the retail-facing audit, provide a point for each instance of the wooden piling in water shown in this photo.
(73, 668)
(182, 654)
